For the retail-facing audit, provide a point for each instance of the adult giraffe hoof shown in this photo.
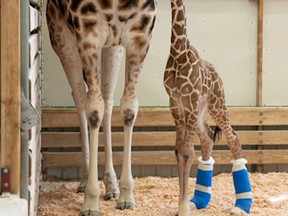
(90, 213)
(110, 182)
(125, 205)
(82, 186)
(112, 195)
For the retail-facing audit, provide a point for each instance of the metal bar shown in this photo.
(25, 89)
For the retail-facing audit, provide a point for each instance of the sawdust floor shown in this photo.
(159, 196)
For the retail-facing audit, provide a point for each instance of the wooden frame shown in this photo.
(10, 91)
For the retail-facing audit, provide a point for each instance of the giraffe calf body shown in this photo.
(91, 35)
(194, 87)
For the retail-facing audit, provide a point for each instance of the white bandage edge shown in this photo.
(238, 164)
(206, 165)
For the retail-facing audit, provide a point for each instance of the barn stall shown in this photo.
(245, 40)
(250, 70)
(242, 39)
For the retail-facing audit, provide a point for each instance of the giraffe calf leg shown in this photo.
(185, 157)
(242, 187)
(203, 188)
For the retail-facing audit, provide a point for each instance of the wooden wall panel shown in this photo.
(240, 116)
(161, 139)
(152, 158)
(63, 143)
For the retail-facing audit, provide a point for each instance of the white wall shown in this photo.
(224, 32)
(275, 68)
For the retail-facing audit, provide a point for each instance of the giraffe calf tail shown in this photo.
(84, 76)
(217, 134)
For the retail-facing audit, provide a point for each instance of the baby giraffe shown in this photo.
(193, 87)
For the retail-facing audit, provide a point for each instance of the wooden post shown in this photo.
(10, 91)
(260, 54)
(259, 102)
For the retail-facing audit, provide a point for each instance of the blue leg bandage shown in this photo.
(203, 190)
(242, 185)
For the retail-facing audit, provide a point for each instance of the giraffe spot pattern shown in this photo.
(105, 4)
(88, 9)
(89, 24)
(75, 4)
(127, 5)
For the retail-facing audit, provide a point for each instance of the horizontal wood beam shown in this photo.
(161, 138)
(157, 117)
(152, 158)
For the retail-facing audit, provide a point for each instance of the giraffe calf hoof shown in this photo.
(109, 196)
(125, 205)
(235, 211)
(192, 205)
(90, 213)
(81, 189)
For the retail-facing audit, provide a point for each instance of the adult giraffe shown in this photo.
(194, 86)
(90, 35)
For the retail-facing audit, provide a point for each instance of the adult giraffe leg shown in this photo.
(135, 56)
(90, 50)
(241, 179)
(64, 44)
(111, 61)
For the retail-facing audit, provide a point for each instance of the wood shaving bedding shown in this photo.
(159, 196)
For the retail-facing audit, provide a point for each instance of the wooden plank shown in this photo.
(10, 90)
(274, 116)
(240, 116)
(274, 137)
(152, 158)
(273, 156)
(161, 138)
(34, 19)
